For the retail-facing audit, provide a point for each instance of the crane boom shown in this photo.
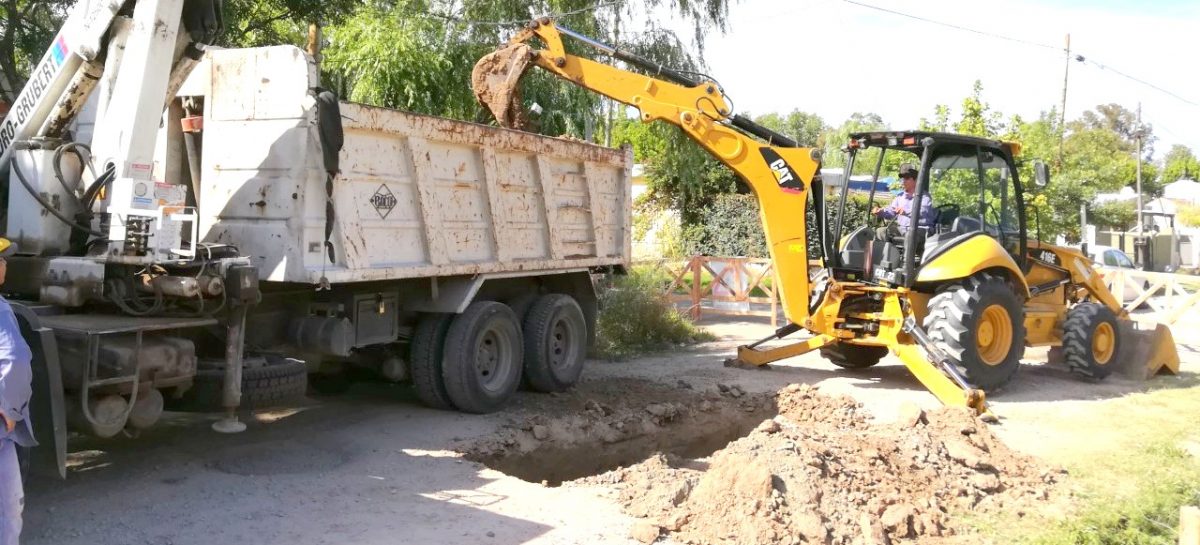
(77, 42)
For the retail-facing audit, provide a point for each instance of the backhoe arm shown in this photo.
(779, 176)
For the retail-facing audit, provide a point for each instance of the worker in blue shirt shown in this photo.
(901, 207)
(16, 378)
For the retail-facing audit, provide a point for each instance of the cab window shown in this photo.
(979, 184)
(1110, 258)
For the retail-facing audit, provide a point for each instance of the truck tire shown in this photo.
(1091, 339)
(483, 355)
(853, 356)
(979, 324)
(555, 335)
(275, 382)
(425, 353)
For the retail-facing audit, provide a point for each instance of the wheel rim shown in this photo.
(493, 360)
(559, 343)
(562, 344)
(1104, 343)
(994, 335)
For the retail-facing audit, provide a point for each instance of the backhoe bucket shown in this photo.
(1147, 352)
(496, 82)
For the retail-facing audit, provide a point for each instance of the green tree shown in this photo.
(679, 173)
(1180, 163)
(26, 28)
(1123, 122)
(836, 139)
(254, 23)
(806, 129)
(978, 118)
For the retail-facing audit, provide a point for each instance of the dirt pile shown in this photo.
(820, 472)
(496, 82)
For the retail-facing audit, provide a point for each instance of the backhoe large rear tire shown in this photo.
(979, 324)
(853, 356)
(1091, 340)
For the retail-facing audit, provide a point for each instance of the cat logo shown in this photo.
(782, 172)
(786, 177)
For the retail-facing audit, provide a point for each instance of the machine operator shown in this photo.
(901, 207)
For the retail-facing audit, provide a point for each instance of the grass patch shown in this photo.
(636, 317)
(1129, 467)
(1166, 479)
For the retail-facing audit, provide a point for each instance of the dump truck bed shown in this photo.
(416, 195)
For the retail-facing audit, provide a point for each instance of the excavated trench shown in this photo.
(572, 447)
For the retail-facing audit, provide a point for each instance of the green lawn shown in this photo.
(1133, 463)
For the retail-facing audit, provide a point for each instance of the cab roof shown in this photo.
(911, 140)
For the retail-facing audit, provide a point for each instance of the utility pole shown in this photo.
(314, 41)
(1137, 133)
(1062, 111)
(612, 104)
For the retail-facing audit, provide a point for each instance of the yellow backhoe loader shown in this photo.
(957, 297)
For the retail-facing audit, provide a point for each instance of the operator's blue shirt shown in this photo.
(16, 378)
(900, 208)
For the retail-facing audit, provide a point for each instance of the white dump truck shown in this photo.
(232, 229)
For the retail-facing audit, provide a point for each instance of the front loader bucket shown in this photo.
(496, 80)
(1146, 352)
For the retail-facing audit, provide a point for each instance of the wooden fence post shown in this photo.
(696, 292)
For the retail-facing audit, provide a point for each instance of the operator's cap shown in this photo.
(907, 169)
(7, 247)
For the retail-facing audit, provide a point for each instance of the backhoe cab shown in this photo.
(957, 297)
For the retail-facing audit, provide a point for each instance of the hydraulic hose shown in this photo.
(74, 147)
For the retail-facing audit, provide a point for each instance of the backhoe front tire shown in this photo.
(979, 324)
(853, 356)
(1091, 340)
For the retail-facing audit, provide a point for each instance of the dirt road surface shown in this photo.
(374, 467)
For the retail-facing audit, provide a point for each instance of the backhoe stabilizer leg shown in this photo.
(937, 374)
(749, 357)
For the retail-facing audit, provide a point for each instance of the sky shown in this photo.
(834, 58)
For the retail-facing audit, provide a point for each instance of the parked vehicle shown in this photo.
(234, 227)
(1109, 257)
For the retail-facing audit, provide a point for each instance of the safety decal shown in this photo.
(384, 201)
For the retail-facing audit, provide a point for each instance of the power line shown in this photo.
(1079, 58)
(1086, 60)
(954, 26)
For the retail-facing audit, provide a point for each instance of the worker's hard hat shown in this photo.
(907, 169)
(7, 247)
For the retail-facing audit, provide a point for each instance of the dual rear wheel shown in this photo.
(474, 361)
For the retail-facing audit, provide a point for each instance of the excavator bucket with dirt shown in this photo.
(1147, 352)
(496, 82)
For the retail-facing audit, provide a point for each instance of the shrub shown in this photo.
(1113, 215)
(637, 317)
(730, 226)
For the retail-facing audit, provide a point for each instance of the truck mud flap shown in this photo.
(49, 411)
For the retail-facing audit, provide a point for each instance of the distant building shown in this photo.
(1185, 190)
(833, 178)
